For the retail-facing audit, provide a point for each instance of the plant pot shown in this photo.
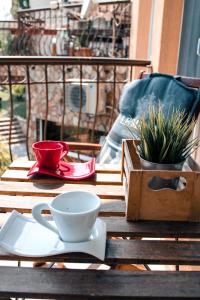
(144, 203)
(157, 182)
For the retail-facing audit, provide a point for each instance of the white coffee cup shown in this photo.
(74, 214)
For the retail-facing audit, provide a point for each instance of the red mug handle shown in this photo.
(65, 148)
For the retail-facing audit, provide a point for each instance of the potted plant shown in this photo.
(165, 141)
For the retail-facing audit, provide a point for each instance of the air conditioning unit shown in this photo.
(89, 96)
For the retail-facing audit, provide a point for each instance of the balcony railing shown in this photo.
(7, 29)
(62, 32)
(67, 98)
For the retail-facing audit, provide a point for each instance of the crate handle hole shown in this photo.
(177, 183)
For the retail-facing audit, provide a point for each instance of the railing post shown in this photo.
(29, 111)
(11, 111)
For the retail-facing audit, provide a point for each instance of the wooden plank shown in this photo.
(134, 195)
(166, 204)
(51, 190)
(83, 146)
(157, 229)
(108, 168)
(152, 252)
(100, 168)
(133, 159)
(97, 284)
(134, 180)
(21, 175)
(129, 252)
(128, 157)
(126, 168)
(112, 208)
(195, 200)
(24, 204)
(120, 227)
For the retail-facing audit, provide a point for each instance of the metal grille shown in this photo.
(61, 32)
(74, 98)
(47, 103)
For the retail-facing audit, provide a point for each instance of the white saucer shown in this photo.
(23, 236)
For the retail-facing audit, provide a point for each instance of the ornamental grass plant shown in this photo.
(165, 138)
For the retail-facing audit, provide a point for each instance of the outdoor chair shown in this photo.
(171, 91)
(150, 89)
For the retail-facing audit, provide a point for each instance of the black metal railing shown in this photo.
(67, 98)
(62, 32)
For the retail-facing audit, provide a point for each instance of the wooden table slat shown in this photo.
(99, 178)
(153, 229)
(119, 227)
(96, 284)
(130, 252)
(52, 190)
(100, 168)
(24, 204)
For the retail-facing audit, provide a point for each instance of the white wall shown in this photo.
(34, 4)
(5, 7)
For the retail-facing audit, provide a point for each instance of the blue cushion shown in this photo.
(167, 89)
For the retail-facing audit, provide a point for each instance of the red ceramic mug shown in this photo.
(49, 153)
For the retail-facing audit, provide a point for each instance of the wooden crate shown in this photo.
(144, 203)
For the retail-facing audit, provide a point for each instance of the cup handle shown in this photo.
(65, 147)
(36, 212)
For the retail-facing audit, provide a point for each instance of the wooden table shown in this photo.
(21, 193)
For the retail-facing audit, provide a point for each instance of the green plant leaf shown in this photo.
(165, 136)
